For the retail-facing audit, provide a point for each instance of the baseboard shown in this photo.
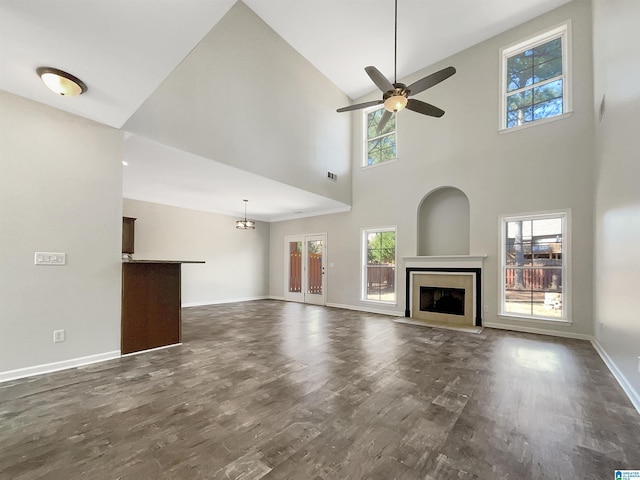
(360, 308)
(274, 297)
(619, 376)
(538, 331)
(228, 300)
(151, 349)
(57, 366)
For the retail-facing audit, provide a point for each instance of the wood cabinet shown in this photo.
(128, 235)
(151, 303)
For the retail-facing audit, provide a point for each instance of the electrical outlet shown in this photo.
(58, 336)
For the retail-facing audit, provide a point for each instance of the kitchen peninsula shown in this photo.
(151, 303)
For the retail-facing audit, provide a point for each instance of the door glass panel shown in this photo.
(295, 267)
(314, 268)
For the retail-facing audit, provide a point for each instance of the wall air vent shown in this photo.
(332, 176)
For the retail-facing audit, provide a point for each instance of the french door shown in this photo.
(305, 279)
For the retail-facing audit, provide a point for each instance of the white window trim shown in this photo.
(364, 259)
(563, 31)
(566, 266)
(365, 157)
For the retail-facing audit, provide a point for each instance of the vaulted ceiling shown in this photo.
(124, 49)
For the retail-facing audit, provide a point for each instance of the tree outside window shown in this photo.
(380, 265)
(381, 146)
(535, 76)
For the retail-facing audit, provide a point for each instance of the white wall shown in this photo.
(237, 261)
(539, 168)
(617, 208)
(443, 223)
(60, 191)
(246, 98)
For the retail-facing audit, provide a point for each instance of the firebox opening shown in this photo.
(442, 300)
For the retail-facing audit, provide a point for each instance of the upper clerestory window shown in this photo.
(380, 145)
(536, 78)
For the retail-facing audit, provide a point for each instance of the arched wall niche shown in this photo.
(443, 223)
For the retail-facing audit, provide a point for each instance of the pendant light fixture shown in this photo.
(245, 224)
(61, 82)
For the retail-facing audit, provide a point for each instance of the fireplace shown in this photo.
(444, 289)
(442, 300)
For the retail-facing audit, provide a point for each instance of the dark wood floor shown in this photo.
(276, 390)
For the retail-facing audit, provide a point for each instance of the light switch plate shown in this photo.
(50, 258)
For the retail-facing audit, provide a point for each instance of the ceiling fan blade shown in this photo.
(383, 120)
(430, 80)
(358, 106)
(380, 80)
(424, 108)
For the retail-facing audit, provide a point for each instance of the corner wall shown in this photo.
(237, 261)
(60, 191)
(617, 199)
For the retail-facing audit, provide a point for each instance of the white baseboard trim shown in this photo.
(151, 350)
(539, 331)
(218, 302)
(360, 308)
(57, 366)
(619, 376)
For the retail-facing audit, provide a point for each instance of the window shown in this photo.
(534, 266)
(379, 265)
(381, 146)
(535, 78)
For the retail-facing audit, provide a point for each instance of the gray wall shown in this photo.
(617, 204)
(60, 191)
(237, 261)
(244, 97)
(540, 168)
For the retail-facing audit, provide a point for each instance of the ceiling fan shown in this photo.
(395, 96)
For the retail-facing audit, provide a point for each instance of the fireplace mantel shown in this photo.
(461, 261)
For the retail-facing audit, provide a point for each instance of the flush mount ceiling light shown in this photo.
(245, 224)
(60, 82)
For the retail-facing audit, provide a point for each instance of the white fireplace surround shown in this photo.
(445, 261)
(439, 264)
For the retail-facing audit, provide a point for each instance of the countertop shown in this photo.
(161, 261)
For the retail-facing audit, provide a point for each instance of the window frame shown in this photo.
(365, 149)
(565, 216)
(562, 31)
(364, 244)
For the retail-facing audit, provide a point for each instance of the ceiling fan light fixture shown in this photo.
(61, 82)
(395, 96)
(395, 103)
